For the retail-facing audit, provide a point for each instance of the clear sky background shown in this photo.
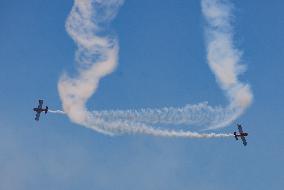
(162, 63)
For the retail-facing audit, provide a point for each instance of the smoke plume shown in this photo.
(97, 56)
(56, 111)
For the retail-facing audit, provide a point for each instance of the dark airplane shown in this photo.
(241, 134)
(39, 109)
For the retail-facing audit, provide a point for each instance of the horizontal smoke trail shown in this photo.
(124, 123)
(129, 127)
(201, 115)
(56, 111)
(97, 56)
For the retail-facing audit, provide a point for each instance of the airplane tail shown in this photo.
(46, 110)
(236, 137)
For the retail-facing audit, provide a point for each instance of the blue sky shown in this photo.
(56, 154)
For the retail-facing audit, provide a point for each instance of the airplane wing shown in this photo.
(240, 128)
(37, 116)
(40, 102)
(244, 140)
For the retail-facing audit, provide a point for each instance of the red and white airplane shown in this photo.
(241, 134)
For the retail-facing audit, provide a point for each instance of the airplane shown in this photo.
(241, 134)
(39, 109)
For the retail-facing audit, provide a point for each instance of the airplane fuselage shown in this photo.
(241, 134)
(39, 110)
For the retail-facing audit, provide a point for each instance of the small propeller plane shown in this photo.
(39, 109)
(241, 134)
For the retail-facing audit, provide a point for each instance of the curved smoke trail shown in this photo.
(97, 56)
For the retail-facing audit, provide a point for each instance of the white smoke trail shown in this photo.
(97, 56)
(56, 111)
(223, 57)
